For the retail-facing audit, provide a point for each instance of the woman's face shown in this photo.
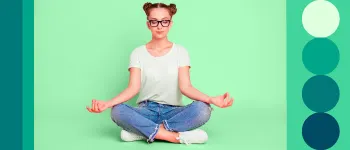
(159, 22)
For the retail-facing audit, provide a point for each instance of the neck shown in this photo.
(159, 43)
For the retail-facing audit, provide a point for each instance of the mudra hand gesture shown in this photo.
(98, 106)
(222, 101)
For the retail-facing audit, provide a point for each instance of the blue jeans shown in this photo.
(145, 119)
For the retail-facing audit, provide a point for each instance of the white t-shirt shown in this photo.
(159, 75)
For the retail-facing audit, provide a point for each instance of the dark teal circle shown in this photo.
(320, 93)
(320, 131)
(320, 56)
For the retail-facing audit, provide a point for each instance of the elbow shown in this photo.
(184, 89)
(134, 89)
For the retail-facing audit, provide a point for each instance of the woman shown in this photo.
(159, 72)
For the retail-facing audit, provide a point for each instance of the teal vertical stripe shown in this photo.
(28, 74)
(298, 75)
(11, 74)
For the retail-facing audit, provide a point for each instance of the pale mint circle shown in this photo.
(320, 18)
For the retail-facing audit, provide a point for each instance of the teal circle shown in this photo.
(320, 93)
(320, 56)
(321, 131)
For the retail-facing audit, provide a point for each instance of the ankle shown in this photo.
(166, 135)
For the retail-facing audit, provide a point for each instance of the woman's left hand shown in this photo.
(222, 101)
(98, 106)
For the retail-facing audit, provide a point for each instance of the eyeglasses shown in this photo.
(155, 23)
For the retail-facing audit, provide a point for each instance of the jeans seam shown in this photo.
(166, 125)
(151, 137)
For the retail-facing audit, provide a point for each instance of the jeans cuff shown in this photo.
(152, 136)
(166, 126)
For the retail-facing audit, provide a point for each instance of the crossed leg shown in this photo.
(138, 120)
(143, 122)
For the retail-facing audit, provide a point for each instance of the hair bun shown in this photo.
(173, 8)
(146, 6)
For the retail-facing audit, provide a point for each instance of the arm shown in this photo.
(132, 89)
(187, 89)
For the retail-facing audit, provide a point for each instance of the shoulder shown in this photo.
(180, 48)
(138, 50)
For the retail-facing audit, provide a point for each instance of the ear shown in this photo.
(147, 24)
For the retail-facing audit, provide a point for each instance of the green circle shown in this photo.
(320, 93)
(320, 56)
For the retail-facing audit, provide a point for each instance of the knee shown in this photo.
(203, 111)
(117, 112)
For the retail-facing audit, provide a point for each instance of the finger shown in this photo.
(227, 102)
(222, 103)
(231, 101)
(222, 96)
(94, 107)
(99, 107)
(225, 95)
(227, 99)
(89, 109)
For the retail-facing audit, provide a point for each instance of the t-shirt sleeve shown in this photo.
(134, 60)
(184, 57)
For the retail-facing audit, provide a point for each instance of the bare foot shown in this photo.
(166, 135)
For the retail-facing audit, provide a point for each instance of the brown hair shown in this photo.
(148, 6)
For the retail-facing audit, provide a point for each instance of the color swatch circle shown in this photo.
(320, 18)
(320, 56)
(320, 93)
(320, 131)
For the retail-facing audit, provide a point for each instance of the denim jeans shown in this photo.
(145, 119)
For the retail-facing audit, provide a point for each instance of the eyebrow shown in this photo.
(156, 18)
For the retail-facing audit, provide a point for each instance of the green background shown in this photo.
(82, 50)
(297, 74)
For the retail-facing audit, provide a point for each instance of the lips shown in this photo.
(159, 32)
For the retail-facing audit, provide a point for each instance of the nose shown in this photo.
(159, 26)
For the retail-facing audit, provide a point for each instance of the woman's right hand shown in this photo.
(98, 106)
(222, 101)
